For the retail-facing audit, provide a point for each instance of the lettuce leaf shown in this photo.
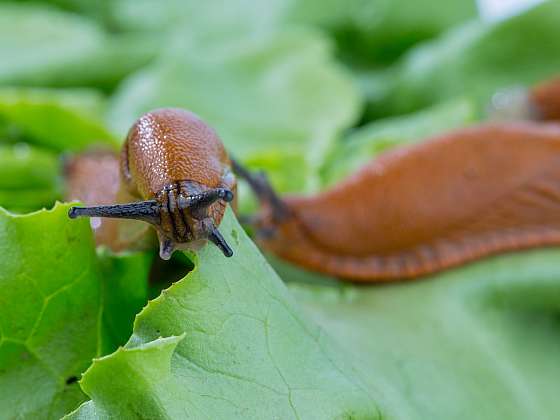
(227, 341)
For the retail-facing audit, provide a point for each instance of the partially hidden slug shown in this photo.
(178, 166)
(545, 98)
(424, 208)
(93, 177)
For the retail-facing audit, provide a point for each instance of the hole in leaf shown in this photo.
(71, 379)
(164, 273)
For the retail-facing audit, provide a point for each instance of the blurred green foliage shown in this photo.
(309, 91)
(479, 58)
(62, 120)
(476, 342)
(47, 47)
(29, 177)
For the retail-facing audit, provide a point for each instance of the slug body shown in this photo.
(424, 208)
(93, 177)
(545, 98)
(177, 164)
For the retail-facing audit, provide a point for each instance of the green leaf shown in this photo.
(114, 59)
(99, 10)
(48, 47)
(206, 22)
(29, 177)
(367, 30)
(479, 58)
(24, 166)
(61, 120)
(39, 40)
(368, 141)
(481, 341)
(125, 292)
(60, 306)
(236, 346)
(28, 199)
(50, 311)
(371, 32)
(279, 96)
(148, 368)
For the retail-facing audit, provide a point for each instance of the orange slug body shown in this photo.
(178, 165)
(170, 153)
(428, 207)
(93, 177)
(166, 146)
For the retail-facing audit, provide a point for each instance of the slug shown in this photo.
(93, 177)
(423, 208)
(545, 98)
(176, 164)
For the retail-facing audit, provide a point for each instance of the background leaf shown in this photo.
(366, 31)
(479, 341)
(49, 47)
(29, 177)
(376, 32)
(62, 120)
(479, 58)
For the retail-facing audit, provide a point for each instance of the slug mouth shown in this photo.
(179, 219)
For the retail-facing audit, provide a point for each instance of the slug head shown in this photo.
(190, 214)
(183, 214)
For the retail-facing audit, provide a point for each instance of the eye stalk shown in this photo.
(261, 187)
(150, 211)
(217, 239)
(198, 203)
(147, 211)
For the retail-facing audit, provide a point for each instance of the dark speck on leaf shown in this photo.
(71, 379)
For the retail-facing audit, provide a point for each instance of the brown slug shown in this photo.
(93, 177)
(545, 98)
(178, 166)
(423, 208)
